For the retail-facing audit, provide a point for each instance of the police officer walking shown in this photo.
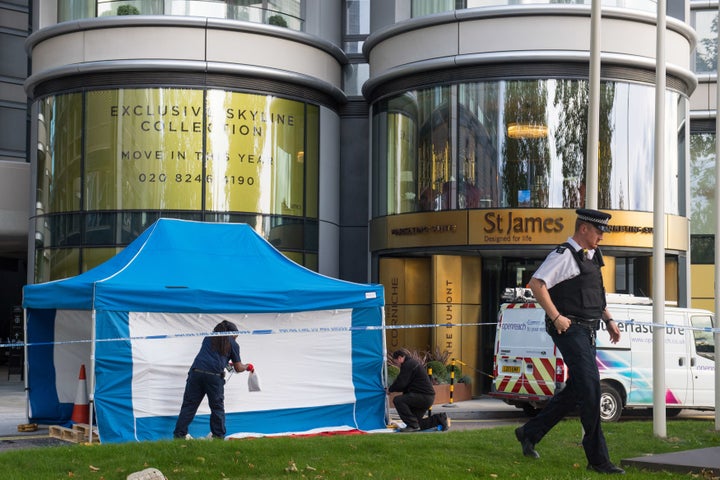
(569, 287)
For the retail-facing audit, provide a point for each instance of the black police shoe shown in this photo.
(607, 468)
(528, 447)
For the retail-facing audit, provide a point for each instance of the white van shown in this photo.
(528, 368)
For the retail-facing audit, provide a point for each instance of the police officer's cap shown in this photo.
(595, 217)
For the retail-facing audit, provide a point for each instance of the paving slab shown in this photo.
(699, 461)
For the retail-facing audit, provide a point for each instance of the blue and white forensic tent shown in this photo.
(137, 322)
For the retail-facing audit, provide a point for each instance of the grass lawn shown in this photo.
(487, 453)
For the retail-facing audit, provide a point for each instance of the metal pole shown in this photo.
(593, 122)
(593, 142)
(91, 389)
(659, 414)
(26, 366)
(429, 371)
(452, 381)
(716, 334)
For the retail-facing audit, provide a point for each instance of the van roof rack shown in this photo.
(627, 299)
(525, 295)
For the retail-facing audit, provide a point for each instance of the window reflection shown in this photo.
(58, 181)
(110, 162)
(521, 144)
(436, 178)
(705, 24)
(525, 152)
(429, 7)
(478, 145)
(281, 13)
(702, 183)
(704, 342)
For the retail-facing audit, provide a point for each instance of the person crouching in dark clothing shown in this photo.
(417, 396)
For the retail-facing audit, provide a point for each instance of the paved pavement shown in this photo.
(472, 414)
(13, 413)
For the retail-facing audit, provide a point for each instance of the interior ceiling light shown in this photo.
(523, 130)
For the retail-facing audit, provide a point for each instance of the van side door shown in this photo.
(702, 361)
(614, 360)
(677, 359)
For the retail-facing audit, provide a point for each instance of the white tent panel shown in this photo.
(305, 361)
(73, 334)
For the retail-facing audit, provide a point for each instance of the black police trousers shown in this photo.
(582, 391)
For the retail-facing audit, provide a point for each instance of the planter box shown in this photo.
(461, 392)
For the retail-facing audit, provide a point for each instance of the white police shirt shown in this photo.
(559, 267)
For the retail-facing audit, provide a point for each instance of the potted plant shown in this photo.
(445, 376)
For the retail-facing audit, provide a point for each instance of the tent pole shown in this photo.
(91, 393)
(25, 366)
(385, 369)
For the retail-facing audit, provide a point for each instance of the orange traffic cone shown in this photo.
(81, 409)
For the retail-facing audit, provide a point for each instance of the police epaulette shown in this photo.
(561, 248)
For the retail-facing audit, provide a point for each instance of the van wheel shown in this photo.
(672, 412)
(610, 404)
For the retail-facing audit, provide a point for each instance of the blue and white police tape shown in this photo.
(285, 331)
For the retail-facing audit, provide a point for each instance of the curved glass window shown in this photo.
(428, 7)
(281, 13)
(521, 143)
(116, 160)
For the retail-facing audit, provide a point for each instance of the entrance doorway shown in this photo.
(498, 274)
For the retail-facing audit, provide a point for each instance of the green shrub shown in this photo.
(438, 360)
(277, 20)
(392, 372)
(439, 371)
(128, 10)
(457, 369)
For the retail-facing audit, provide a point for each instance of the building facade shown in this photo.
(479, 156)
(437, 147)
(15, 184)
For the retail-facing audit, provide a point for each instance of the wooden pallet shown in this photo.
(27, 427)
(79, 433)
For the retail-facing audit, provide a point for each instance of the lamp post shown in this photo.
(659, 414)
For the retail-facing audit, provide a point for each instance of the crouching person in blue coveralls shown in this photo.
(207, 377)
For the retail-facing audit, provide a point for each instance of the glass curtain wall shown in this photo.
(521, 143)
(281, 13)
(117, 160)
(702, 144)
(705, 23)
(356, 22)
(420, 8)
(702, 195)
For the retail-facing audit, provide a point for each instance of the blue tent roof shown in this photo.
(185, 266)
